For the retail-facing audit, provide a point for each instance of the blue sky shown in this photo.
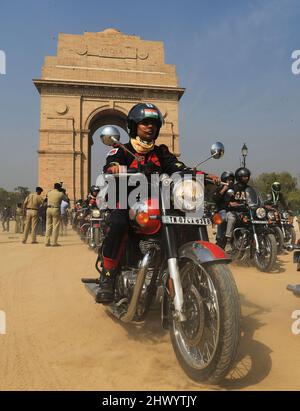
(233, 58)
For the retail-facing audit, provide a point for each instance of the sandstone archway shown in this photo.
(94, 80)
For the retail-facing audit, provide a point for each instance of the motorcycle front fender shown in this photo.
(203, 253)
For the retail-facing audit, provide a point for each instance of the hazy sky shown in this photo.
(233, 58)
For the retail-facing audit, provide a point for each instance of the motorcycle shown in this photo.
(274, 225)
(253, 240)
(94, 235)
(168, 260)
(287, 228)
(296, 258)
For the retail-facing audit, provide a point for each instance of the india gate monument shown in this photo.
(93, 81)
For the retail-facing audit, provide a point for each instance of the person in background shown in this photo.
(19, 216)
(6, 216)
(65, 205)
(54, 200)
(31, 206)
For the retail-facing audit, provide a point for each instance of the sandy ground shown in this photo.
(57, 338)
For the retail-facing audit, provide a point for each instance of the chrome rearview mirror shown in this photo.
(217, 150)
(110, 135)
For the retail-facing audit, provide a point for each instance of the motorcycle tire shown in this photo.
(290, 235)
(269, 263)
(187, 346)
(279, 239)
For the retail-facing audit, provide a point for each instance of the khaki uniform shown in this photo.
(55, 198)
(32, 203)
(19, 227)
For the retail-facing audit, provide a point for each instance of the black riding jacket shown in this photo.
(157, 160)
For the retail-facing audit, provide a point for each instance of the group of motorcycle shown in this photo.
(169, 262)
(87, 220)
(260, 233)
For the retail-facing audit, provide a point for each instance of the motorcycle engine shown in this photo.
(127, 280)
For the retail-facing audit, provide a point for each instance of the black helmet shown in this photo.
(227, 174)
(141, 111)
(242, 172)
(276, 186)
(94, 188)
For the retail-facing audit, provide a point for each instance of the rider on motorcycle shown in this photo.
(236, 203)
(276, 199)
(219, 198)
(144, 122)
(92, 196)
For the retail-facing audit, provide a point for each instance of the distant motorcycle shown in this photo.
(296, 248)
(288, 230)
(253, 240)
(275, 227)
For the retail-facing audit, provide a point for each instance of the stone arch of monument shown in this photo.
(94, 80)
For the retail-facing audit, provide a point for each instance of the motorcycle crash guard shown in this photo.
(203, 252)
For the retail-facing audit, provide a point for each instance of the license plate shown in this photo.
(259, 222)
(185, 220)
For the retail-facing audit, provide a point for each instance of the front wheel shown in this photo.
(290, 235)
(279, 239)
(206, 343)
(265, 258)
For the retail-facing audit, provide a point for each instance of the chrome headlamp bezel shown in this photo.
(187, 195)
(261, 213)
(271, 215)
(96, 213)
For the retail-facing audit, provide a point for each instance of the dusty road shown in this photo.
(58, 339)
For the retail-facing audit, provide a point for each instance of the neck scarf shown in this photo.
(141, 146)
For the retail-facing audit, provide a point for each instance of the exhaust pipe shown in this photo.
(140, 279)
(92, 287)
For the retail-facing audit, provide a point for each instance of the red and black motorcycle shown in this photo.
(169, 260)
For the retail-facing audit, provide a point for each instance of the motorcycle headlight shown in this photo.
(271, 215)
(188, 195)
(95, 213)
(285, 215)
(261, 212)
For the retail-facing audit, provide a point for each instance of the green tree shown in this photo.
(23, 192)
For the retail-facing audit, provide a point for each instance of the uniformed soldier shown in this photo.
(19, 227)
(54, 199)
(6, 216)
(30, 206)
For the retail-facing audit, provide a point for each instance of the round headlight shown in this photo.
(285, 215)
(95, 213)
(188, 195)
(261, 212)
(271, 215)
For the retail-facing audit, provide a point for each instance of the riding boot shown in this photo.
(105, 294)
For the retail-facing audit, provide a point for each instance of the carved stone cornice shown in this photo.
(108, 90)
(59, 152)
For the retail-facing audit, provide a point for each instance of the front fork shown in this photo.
(255, 234)
(172, 258)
